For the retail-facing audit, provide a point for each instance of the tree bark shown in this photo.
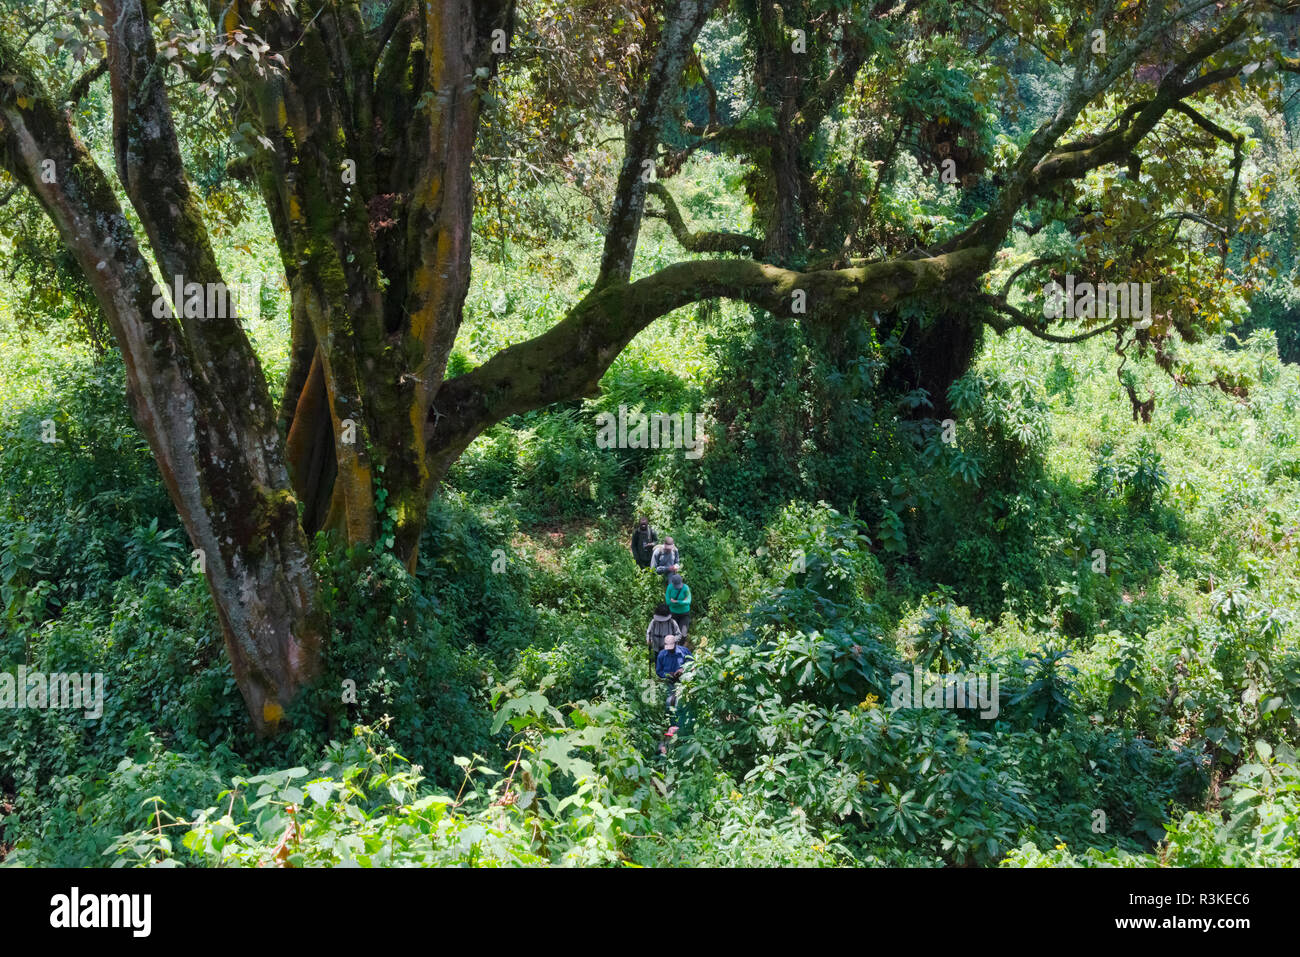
(219, 460)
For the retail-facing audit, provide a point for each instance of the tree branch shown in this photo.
(79, 89)
(1180, 217)
(1006, 286)
(566, 362)
(682, 25)
(384, 32)
(1022, 320)
(718, 241)
(151, 167)
(709, 89)
(1073, 163)
(1041, 163)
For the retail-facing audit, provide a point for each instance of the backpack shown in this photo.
(659, 629)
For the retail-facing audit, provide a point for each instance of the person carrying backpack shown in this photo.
(644, 538)
(661, 626)
(665, 560)
(670, 665)
(677, 595)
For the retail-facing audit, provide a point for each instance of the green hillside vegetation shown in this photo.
(1110, 527)
(1161, 692)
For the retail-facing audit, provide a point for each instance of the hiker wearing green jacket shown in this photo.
(678, 597)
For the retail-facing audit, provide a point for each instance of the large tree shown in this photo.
(365, 117)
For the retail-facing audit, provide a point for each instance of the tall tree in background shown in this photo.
(366, 117)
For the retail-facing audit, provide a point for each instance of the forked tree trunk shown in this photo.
(372, 201)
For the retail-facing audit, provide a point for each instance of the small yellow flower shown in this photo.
(1060, 847)
(869, 703)
(735, 795)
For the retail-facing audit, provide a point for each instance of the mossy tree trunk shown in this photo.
(371, 198)
(194, 384)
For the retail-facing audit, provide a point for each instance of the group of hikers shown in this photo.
(666, 636)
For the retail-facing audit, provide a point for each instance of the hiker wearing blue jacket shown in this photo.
(660, 625)
(670, 664)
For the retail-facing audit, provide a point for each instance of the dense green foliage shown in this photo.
(1134, 586)
(1142, 691)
